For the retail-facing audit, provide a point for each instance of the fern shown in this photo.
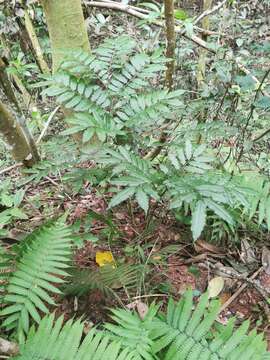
(113, 98)
(111, 88)
(58, 342)
(105, 279)
(183, 333)
(42, 260)
(138, 176)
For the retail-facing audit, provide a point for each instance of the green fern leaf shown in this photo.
(45, 257)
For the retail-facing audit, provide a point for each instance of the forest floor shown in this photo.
(172, 262)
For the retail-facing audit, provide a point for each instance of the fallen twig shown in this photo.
(238, 292)
(249, 281)
(43, 132)
(10, 168)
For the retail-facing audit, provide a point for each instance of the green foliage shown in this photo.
(10, 202)
(182, 333)
(105, 278)
(41, 262)
(54, 342)
(111, 90)
(114, 99)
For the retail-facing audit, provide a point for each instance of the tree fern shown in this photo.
(42, 260)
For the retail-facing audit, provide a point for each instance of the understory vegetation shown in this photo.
(134, 180)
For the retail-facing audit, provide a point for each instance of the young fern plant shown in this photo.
(114, 96)
(110, 90)
(185, 332)
(42, 260)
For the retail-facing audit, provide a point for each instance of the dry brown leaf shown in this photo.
(202, 246)
(142, 309)
(247, 253)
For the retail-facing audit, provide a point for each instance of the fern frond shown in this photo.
(57, 342)
(100, 124)
(185, 335)
(138, 176)
(77, 94)
(152, 108)
(41, 265)
(105, 279)
(136, 74)
(112, 55)
(135, 333)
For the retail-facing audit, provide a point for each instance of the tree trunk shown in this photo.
(66, 26)
(170, 36)
(19, 141)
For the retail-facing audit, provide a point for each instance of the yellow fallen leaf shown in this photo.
(104, 258)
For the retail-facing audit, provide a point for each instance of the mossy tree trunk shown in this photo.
(17, 139)
(66, 27)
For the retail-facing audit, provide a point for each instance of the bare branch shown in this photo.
(43, 132)
(209, 12)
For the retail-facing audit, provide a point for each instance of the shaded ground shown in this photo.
(161, 246)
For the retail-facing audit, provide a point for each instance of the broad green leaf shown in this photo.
(142, 200)
(122, 196)
(219, 211)
(198, 219)
(188, 149)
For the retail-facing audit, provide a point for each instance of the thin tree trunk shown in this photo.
(170, 35)
(66, 26)
(19, 140)
(7, 87)
(201, 67)
(35, 44)
(202, 57)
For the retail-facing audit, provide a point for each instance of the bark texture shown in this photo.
(66, 27)
(170, 36)
(18, 140)
(38, 53)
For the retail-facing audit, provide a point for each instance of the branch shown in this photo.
(35, 43)
(131, 10)
(8, 348)
(43, 132)
(209, 12)
(259, 137)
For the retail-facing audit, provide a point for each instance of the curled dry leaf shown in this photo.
(141, 307)
(215, 286)
(247, 253)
